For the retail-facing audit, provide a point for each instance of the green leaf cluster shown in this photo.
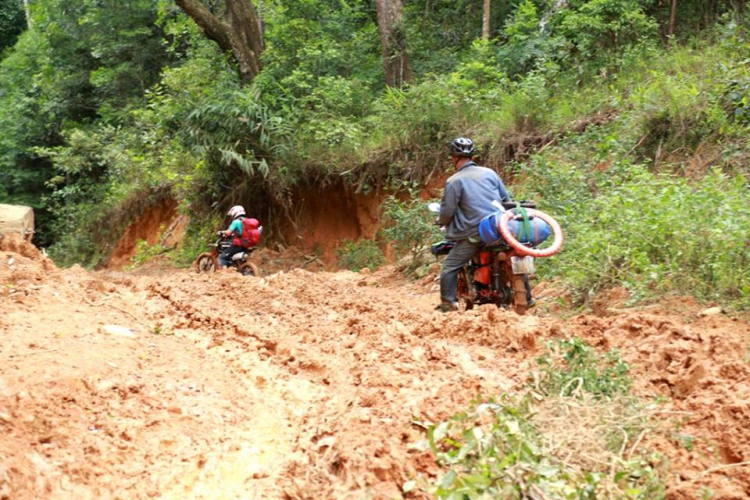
(360, 254)
(409, 227)
(501, 448)
(570, 366)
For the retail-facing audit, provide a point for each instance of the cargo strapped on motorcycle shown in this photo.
(523, 224)
(524, 231)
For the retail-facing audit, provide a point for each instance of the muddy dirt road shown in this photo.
(306, 385)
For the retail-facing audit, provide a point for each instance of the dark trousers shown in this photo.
(226, 256)
(454, 261)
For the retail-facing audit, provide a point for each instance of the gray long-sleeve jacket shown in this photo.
(468, 198)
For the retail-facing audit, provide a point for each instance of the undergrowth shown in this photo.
(574, 434)
(652, 233)
(410, 228)
(357, 255)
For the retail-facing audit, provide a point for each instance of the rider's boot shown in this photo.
(447, 306)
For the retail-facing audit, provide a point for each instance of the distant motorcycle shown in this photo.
(498, 273)
(208, 262)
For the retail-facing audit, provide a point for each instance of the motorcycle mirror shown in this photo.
(434, 207)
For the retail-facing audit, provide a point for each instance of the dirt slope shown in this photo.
(304, 385)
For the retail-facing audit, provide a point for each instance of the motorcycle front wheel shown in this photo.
(250, 269)
(205, 263)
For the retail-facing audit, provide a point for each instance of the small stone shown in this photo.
(711, 311)
(119, 331)
(105, 385)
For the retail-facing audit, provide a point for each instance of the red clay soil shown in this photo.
(326, 215)
(306, 385)
(159, 220)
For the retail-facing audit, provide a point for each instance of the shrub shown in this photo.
(356, 255)
(651, 233)
(409, 226)
(570, 366)
(547, 444)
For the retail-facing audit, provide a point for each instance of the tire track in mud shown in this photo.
(375, 358)
(253, 460)
(371, 362)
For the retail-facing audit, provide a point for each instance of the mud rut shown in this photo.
(302, 385)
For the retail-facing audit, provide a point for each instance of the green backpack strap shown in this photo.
(525, 230)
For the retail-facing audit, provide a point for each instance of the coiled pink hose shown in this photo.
(523, 249)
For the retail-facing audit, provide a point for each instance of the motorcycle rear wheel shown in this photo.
(464, 292)
(205, 263)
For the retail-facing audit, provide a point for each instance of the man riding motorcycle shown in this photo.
(468, 198)
(237, 213)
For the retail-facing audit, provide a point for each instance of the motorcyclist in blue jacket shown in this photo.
(471, 194)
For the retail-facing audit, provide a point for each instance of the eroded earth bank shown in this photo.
(307, 385)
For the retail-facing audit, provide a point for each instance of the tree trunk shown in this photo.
(27, 11)
(739, 9)
(672, 19)
(559, 4)
(486, 21)
(241, 36)
(249, 45)
(393, 40)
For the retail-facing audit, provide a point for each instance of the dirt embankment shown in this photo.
(306, 385)
(320, 218)
(159, 223)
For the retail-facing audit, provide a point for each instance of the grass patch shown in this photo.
(575, 433)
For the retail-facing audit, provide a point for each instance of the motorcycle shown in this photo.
(208, 262)
(499, 272)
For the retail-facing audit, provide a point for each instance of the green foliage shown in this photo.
(581, 35)
(200, 232)
(494, 451)
(651, 233)
(570, 366)
(409, 227)
(507, 447)
(12, 22)
(100, 56)
(145, 252)
(356, 255)
(596, 27)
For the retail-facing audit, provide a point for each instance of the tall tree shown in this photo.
(236, 30)
(486, 21)
(393, 41)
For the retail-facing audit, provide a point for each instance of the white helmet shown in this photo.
(236, 211)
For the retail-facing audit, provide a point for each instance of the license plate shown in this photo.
(523, 265)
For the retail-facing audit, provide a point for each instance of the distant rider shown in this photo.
(468, 198)
(237, 213)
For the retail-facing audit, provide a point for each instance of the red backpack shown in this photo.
(250, 233)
